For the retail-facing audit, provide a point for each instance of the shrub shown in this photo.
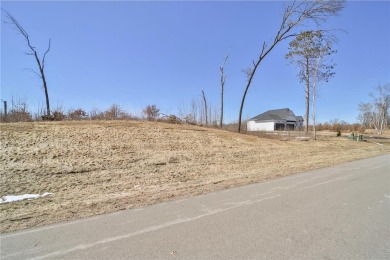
(171, 119)
(115, 112)
(19, 112)
(58, 116)
(77, 114)
(19, 116)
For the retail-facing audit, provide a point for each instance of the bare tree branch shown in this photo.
(34, 72)
(44, 55)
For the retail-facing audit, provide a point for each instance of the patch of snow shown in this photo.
(12, 198)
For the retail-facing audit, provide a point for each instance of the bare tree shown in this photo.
(376, 112)
(365, 115)
(151, 112)
(193, 116)
(205, 107)
(223, 78)
(309, 51)
(40, 61)
(214, 117)
(294, 14)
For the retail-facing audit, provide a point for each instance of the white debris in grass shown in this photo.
(12, 198)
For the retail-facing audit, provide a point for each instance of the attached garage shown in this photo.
(261, 126)
(275, 120)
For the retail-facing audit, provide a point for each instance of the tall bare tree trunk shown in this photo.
(5, 110)
(313, 114)
(42, 73)
(314, 93)
(221, 116)
(307, 96)
(205, 107)
(223, 78)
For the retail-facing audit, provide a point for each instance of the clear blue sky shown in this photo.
(164, 53)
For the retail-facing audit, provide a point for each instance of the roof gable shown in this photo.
(276, 114)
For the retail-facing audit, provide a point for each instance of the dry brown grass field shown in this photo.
(95, 167)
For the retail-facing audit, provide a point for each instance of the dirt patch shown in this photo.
(98, 167)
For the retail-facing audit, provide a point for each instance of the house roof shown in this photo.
(277, 114)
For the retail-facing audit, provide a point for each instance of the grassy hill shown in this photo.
(94, 167)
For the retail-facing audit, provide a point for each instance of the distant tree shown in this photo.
(40, 61)
(309, 51)
(115, 112)
(364, 117)
(151, 112)
(192, 116)
(223, 78)
(205, 107)
(295, 13)
(375, 113)
(95, 114)
(336, 125)
(195, 114)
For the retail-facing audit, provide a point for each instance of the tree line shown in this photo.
(19, 111)
(375, 113)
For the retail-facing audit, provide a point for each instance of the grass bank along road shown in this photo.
(96, 167)
(339, 212)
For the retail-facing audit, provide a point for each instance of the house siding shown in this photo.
(260, 126)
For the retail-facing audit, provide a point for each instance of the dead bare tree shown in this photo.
(205, 107)
(40, 61)
(194, 116)
(223, 78)
(294, 14)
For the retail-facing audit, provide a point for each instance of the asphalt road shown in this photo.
(341, 212)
